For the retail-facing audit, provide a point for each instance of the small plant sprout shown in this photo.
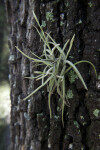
(56, 66)
(90, 4)
(69, 94)
(96, 112)
(49, 16)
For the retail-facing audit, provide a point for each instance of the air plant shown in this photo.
(56, 66)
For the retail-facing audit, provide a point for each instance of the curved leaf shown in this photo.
(83, 61)
(77, 72)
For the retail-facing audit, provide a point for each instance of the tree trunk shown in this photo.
(31, 126)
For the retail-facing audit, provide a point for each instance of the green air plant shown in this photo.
(55, 67)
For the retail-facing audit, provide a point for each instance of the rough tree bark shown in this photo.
(31, 127)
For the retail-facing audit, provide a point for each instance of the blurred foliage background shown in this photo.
(3, 43)
(4, 83)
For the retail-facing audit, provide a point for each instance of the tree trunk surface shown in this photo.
(31, 126)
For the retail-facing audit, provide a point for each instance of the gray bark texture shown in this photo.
(31, 126)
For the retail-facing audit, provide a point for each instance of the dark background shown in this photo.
(3, 43)
(4, 83)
